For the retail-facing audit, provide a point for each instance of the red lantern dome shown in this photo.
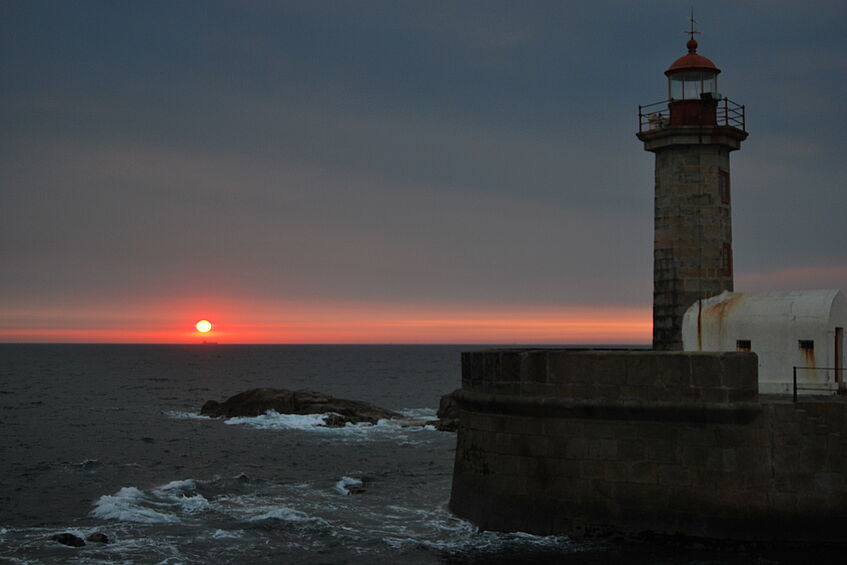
(692, 61)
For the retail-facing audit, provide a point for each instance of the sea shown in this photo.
(109, 439)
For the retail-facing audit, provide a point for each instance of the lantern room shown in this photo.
(692, 76)
(693, 89)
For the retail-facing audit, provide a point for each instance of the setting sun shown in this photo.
(203, 326)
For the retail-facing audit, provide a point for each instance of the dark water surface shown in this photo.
(107, 438)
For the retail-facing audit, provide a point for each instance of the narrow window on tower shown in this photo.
(726, 259)
(723, 185)
(743, 345)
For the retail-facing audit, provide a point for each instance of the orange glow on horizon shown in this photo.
(344, 324)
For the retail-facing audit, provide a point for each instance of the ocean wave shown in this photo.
(181, 501)
(194, 504)
(226, 534)
(396, 527)
(307, 516)
(341, 485)
(445, 533)
(130, 505)
(268, 508)
(87, 463)
(284, 514)
(176, 487)
(167, 503)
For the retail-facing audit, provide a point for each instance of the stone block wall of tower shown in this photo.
(693, 234)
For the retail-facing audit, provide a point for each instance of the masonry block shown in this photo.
(667, 442)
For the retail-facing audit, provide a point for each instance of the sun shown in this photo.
(203, 326)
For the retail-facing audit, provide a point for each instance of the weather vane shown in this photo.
(692, 31)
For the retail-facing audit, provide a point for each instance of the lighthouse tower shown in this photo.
(692, 134)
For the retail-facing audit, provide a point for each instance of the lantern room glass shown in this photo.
(691, 84)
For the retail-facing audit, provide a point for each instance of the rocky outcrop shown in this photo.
(260, 400)
(67, 538)
(448, 414)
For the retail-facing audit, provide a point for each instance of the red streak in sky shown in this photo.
(365, 324)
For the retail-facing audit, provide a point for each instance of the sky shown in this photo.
(390, 172)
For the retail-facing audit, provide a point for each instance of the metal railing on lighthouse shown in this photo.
(657, 115)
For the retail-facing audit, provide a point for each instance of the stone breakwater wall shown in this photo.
(669, 443)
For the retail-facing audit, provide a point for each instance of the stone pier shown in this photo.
(634, 441)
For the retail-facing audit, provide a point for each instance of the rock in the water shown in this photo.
(97, 537)
(259, 400)
(448, 414)
(448, 408)
(334, 421)
(450, 425)
(67, 538)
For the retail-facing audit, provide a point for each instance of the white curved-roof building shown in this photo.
(786, 329)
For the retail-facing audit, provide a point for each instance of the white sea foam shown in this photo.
(438, 530)
(127, 505)
(175, 486)
(341, 486)
(464, 537)
(183, 415)
(167, 503)
(395, 430)
(226, 534)
(312, 507)
(193, 504)
(184, 494)
(401, 430)
(280, 507)
(88, 463)
(425, 414)
(273, 420)
(285, 514)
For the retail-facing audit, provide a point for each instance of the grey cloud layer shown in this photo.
(405, 152)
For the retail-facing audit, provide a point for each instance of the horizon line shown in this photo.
(330, 343)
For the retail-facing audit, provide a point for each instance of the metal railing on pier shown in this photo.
(825, 388)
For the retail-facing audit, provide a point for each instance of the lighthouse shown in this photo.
(691, 133)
